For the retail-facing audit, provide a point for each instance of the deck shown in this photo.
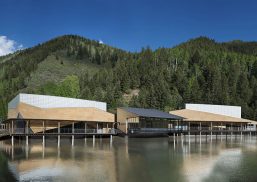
(192, 131)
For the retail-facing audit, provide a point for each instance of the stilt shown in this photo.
(27, 140)
(85, 132)
(12, 127)
(27, 127)
(221, 135)
(27, 151)
(111, 138)
(93, 140)
(231, 128)
(72, 137)
(43, 140)
(59, 137)
(43, 129)
(72, 140)
(12, 140)
(72, 128)
(59, 141)
(200, 131)
(43, 150)
(189, 131)
(241, 132)
(211, 131)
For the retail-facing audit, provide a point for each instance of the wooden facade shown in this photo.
(44, 119)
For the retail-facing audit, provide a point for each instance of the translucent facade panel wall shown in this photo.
(234, 111)
(14, 102)
(45, 101)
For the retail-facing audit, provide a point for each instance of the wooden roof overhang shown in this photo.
(199, 116)
(52, 121)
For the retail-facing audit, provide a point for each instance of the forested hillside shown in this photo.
(198, 71)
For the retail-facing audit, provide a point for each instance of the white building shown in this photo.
(46, 101)
(233, 111)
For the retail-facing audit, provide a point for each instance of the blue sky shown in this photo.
(130, 24)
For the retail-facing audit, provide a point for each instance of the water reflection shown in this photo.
(133, 159)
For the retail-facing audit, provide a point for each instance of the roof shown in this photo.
(73, 114)
(192, 115)
(227, 110)
(151, 113)
(47, 101)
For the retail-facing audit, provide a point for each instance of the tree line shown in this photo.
(197, 71)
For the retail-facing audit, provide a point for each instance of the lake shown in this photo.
(131, 159)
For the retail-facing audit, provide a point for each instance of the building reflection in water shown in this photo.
(133, 159)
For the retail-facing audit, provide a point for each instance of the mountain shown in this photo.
(200, 70)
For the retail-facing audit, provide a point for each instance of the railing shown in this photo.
(219, 129)
(153, 130)
(186, 129)
(4, 132)
(65, 131)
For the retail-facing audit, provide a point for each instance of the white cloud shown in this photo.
(8, 46)
(101, 42)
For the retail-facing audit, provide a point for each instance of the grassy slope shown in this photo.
(55, 69)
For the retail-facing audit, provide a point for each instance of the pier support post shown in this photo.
(221, 135)
(43, 129)
(211, 131)
(93, 140)
(12, 127)
(200, 130)
(27, 127)
(59, 137)
(12, 140)
(59, 141)
(43, 138)
(189, 131)
(72, 137)
(111, 138)
(27, 140)
(126, 129)
(231, 128)
(250, 130)
(85, 132)
(241, 131)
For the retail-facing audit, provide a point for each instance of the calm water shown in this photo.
(152, 159)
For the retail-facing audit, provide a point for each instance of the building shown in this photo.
(145, 121)
(213, 117)
(29, 113)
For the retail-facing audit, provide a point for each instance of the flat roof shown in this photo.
(192, 115)
(48, 101)
(151, 113)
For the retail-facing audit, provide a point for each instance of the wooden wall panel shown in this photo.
(122, 116)
(77, 114)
